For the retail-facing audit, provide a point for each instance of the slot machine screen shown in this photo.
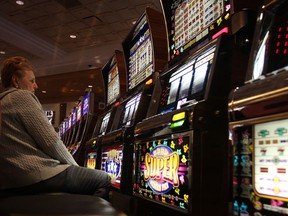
(91, 160)
(60, 129)
(66, 125)
(271, 48)
(162, 172)
(113, 90)
(112, 163)
(130, 110)
(190, 21)
(79, 111)
(74, 115)
(104, 123)
(69, 121)
(85, 104)
(188, 82)
(270, 159)
(140, 54)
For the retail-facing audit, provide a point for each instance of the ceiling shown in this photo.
(40, 31)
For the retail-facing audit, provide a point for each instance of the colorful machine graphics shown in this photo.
(104, 123)
(85, 104)
(112, 163)
(91, 160)
(260, 169)
(113, 85)
(271, 159)
(163, 171)
(141, 54)
(79, 111)
(193, 20)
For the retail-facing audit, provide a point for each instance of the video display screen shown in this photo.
(111, 163)
(189, 21)
(130, 110)
(104, 123)
(113, 90)
(69, 121)
(187, 82)
(270, 159)
(66, 124)
(271, 47)
(85, 104)
(79, 111)
(60, 129)
(74, 116)
(91, 160)
(260, 168)
(162, 170)
(141, 54)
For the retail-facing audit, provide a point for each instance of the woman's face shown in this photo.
(28, 81)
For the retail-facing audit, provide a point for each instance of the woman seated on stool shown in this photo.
(33, 159)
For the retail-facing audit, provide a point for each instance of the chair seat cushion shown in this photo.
(55, 204)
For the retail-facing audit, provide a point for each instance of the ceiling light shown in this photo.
(90, 86)
(44, 92)
(73, 36)
(20, 2)
(2, 52)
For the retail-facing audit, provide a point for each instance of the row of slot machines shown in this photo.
(196, 111)
(75, 129)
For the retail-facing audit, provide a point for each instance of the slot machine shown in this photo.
(181, 153)
(60, 130)
(145, 55)
(114, 78)
(65, 130)
(85, 127)
(258, 112)
(73, 129)
(77, 115)
(69, 129)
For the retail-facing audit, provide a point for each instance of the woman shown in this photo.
(33, 158)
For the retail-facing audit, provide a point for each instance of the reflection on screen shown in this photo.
(130, 110)
(199, 77)
(270, 53)
(185, 84)
(173, 91)
(260, 58)
(104, 124)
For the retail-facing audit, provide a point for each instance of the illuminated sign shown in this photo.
(112, 164)
(91, 160)
(161, 169)
(270, 159)
(193, 20)
(162, 172)
(85, 104)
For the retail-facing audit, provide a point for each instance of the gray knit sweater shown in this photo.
(30, 149)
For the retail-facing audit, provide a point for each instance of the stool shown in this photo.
(56, 205)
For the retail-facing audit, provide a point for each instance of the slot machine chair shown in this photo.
(55, 204)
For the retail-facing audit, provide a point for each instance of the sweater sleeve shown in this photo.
(37, 125)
